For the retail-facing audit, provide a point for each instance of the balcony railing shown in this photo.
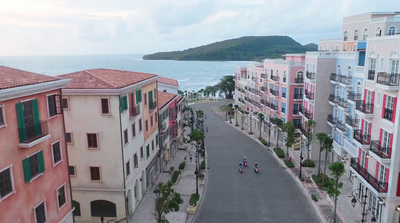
(275, 78)
(364, 139)
(299, 80)
(333, 98)
(366, 108)
(334, 77)
(310, 75)
(274, 106)
(308, 114)
(263, 89)
(341, 126)
(135, 110)
(354, 96)
(332, 120)
(296, 111)
(388, 79)
(344, 79)
(309, 95)
(343, 103)
(274, 92)
(371, 74)
(382, 152)
(298, 96)
(31, 133)
(284, 79)
(379, 186)
(352, 121)
(153, 106)
(264, 76)
(388, 114)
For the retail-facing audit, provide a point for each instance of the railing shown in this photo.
(354, 96)
(284, 79)
(382, 152)
(341, 126)
(274, 92)
(332, 119)
(367, 108)
(309, 95)
(371, 74)
(135, 110)
(379, 186)
(333, 98)
(275, 78)
(388, 79)
(274, 106)
(352, 121)
(263, 89)
(310, 75)
(262, 101)
(388, 114)
(296, 111)
(33, 132)
(297, 126)
(344, 79)
(299, 80)
(264, 76)
(361, 138)
(298, 96)
(308, 114)
(153, 106)
(268, 104)
(343, 103)
(283, 109)
(255, 79)
(334, 77)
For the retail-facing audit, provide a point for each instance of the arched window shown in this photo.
(365, 34)
(284, 76)
(349, 71)
(337, 91)
(378, 31)
(77, 206)
(358, 88)
(339, 71)
(354, 47)
(345, 36)
(300, 74)
(344, 47)
(392, 31)
(356, 35)
(103, 208)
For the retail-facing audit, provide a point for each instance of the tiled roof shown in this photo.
(179, 98)
(10, 78)
(168, 81)
(261, 66)
(104, 79)
(163, 98)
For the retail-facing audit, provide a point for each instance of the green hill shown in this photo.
(246, 48)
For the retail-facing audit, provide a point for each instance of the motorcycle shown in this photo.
(240, 170)
(245, 163)
(256, 169)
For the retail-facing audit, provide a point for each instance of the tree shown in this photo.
(289, 128)
(236, 114)
(181, 93)
(321, 137)
(310, 124)
(251, 127)
(261, 119)
(328, 148)
(167, 200)
(278, 122)
(197, 136)
(337, 170)
(227, 85)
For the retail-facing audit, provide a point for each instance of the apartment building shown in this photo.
(34, 180)
(168, 85)
(164, 101)
(111, 122)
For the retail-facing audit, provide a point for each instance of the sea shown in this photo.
(191, 75)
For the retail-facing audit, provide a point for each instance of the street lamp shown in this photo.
(364, 202)
(269, 129)
(197, 169)
(301, 156)
(226, 109)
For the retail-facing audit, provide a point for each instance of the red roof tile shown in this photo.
(104, 79)
(10, 78)
(168, 81)
(163, 98)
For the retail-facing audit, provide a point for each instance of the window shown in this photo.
(152, 145)
(382, 174)
(147, 125)
(392, 31)
(65, 103)
(133, 130)
(345, 36)
(2, 119)
(95, 173)
(135, 161)
(388, 112)
(394, 69)
(157, 139)
(385, 142)
(148, 151)
(105, 109)
(61, 198)
(151, 121)
(145, 99)
(51, 103)
(57, 154)
(77, 208)
(33, 166)
(72, 170)
(141, 152)
(126, 136)
(128, 168)
(92, 140)
(68, 137)
(365, 34)
(379, 31)
(140, 125)
(356, 35)
(6, 183)
(123, 103)
(40, 213)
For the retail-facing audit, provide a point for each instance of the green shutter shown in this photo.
(21, 124)
(36, 119)
(41, 162)
(121, 107)
(137, 96)
(126, 102)
(140, 95)
(27, 170)
(150, 99)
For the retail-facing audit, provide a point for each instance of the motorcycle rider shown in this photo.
(255, 165)
(240, 164)
(244, 159)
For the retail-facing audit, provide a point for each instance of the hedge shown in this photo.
(175, 176)
(308, 163)
(263, 141)
(289, 164)
(203, 165)
(279, 152)
(194, 198)
(182, 165)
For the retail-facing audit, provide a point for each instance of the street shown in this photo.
(272, 195)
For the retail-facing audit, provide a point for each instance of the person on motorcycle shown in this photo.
(244, 159)
(240, 164)
(255, 165)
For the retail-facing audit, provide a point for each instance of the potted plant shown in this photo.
(171, 169)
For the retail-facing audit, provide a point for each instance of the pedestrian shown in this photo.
(206, 129)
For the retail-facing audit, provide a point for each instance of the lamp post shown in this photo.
(301, 157)
(197, 169)
(269, 129)
(226, 109)
(364, 202)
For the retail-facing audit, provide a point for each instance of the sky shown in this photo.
(82, 27)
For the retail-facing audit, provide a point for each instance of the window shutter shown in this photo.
(387, 176)
(126, 102)
(21, 124)
(27, 170)
(359, 155)
(366, 163)
(380, 137)
(373, 99)
(362, 127)
(140, 95)
(41, 161)
(383, 105)
(365, 95)
(394, 109)
(398, 186)
(369, 134)
(390, 145)
(36, 119)
(121, 106)
(377, 170)
(137, 97)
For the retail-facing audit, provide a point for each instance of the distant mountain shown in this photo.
(246, 48)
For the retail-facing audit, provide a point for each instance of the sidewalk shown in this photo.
(186, 187)
(324, 206)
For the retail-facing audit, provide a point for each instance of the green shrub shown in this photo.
(201, 176)
(289, 164)
(279, 152)
(182, 165)
(175, 176)
(203, 153)
(301, 179)
(263, 141)
(322, 180)
(203, 165)
(308, 163)
(194, 198)
(172, 168)
(314, 197)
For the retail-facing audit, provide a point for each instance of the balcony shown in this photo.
(380, 187)
(264, 89)
(332, 120)
(353, 96)
(344, 79)
(363, 139)
(308, 114)
(275, 78)
(382, 152)
(341, 126)
(299, 80)
(352, 121)
(391, 81)
(388, 114)
(334, 78)
(298, 96)
(264, 76)
(344, 104)
(310, 75)
(296, 111)
(334, 99)
(366, 108)
(152, 106)
(274, 107)
(135, 111)
(255, 79)
(309, 95)
(32, 135)
(371, 75)
(274, 92)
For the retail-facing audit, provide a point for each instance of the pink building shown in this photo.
(34, 180)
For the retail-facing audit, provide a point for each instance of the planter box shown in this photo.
(193, 209)
(202, 181)
(179, 177)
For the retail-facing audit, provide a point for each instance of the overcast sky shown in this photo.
(60, 27)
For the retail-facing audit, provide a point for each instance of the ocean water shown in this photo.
(192, 75)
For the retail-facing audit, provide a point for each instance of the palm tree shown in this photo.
(278, 123)
(261, 118)
(289, 128)
(236, 114)
(328, 148)
(251, 129)
(321, 136)
(337, 170)
(310, 124)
